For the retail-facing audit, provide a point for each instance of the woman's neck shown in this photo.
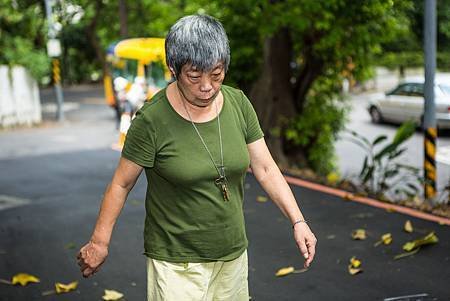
(197, 113)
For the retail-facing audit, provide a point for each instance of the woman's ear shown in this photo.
(173, 72)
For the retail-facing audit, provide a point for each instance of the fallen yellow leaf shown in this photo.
(64, 288)
(430, 238)
(23, 279)
(284, 271)
(112, 295)
(359, 234)
(353, 271)
(386, 239)
(135, 202)
(261, 199)
(348, 196)
(355, 263)
(354, 266)
(408, 226)
(402, 255)
(390, 210)
(70, 246)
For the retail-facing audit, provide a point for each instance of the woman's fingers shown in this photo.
(87, 272)
(91, 257)
(306, 242)
(303, 249)
(312, 252)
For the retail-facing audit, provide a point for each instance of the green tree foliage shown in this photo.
(290, 56)
(405, 50)
(99, 26)
(22, 35)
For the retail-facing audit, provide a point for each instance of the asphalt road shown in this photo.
(54, 187)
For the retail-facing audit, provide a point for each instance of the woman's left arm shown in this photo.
(269, 176)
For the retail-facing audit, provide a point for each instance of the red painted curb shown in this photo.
(368, 201)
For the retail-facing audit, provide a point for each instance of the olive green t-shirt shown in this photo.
(187, 218)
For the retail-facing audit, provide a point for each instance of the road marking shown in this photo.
(7, 201)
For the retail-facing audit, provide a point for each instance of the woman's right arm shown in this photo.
(93, 254)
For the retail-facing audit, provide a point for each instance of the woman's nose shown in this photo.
(205, 85)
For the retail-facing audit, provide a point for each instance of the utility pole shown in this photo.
(429, 118)
(54, 51)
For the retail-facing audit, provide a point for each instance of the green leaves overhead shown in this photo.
(22, 36)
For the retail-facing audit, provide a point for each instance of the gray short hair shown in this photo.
(199, 40)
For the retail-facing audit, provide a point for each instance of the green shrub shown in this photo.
(316, 129)
(381, 173)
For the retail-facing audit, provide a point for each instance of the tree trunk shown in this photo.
(310, 70)
(272, 94)
(93, 38)
(123, 17)
(277, 100)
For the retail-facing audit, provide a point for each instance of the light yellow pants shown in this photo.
(210, 281)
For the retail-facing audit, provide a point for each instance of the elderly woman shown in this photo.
(195, 141)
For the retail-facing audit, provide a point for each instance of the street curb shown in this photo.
(368, 201)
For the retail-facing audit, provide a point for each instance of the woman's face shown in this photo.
(200, 88)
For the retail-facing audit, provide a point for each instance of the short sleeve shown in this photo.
(253, 129)
(140, 142)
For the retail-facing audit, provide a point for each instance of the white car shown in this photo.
(406, 102)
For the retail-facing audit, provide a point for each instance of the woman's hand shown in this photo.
(91, 257)
(306, 242)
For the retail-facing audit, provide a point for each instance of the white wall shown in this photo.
(19, 98)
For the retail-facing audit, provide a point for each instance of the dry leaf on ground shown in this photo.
(386, 239)
(24, 278)
(135, 202)
(359, 234)
(408, 226)
(403, 255)
(65, 288)
(355, 266)
(70, 246)
(430, 238)
(349, 196)
(5, 281)
(112, 295)
(284, 271)
(299, 271)
(261, 199)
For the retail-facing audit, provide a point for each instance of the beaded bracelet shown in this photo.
(298, 222)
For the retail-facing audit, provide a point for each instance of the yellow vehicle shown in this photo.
(138, 57)
(137, 61)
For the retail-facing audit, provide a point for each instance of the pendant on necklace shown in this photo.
(221, 182)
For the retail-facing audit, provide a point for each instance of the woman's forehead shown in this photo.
(191, 68)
